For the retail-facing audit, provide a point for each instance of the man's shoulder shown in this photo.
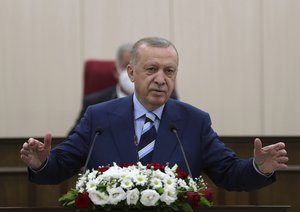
(185, 107)
(112, 104)
(102, 96)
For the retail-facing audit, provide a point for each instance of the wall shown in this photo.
(238, 59)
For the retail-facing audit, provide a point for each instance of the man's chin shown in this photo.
(158, 101)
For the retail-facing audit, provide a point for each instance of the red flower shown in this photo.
(207, 193)
(103, 169)
(181, 174)
(192, 198)
(82, 200)
(155, 166)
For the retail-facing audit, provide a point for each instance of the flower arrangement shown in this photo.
(128, 187)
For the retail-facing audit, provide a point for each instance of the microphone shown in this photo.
(98, 132)
(174, 130)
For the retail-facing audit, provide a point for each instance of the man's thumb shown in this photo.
(257, 144)
(47, 140)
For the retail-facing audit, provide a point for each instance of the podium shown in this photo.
(237, 208)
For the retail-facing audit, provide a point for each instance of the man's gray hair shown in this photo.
(153, 42)
(123, 48)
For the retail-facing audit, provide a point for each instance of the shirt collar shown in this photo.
(140, 110)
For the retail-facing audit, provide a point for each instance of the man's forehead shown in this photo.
(152, 51)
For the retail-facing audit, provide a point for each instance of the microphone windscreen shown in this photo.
(172, 127)
(99, 130)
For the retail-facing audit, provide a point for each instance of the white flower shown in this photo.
(193, 184)
(132, 196)
(182, 184)
(91, 185)
(169, 181)
(159, 174)
(126, 183)
(116, 195)
(169, 196)
(140, 179)
(113, 171)
(98, 198)
(149, 197)
(169, 172)
(156, 183)
(80, 183)
(92, 175)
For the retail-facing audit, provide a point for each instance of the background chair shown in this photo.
(98, 75)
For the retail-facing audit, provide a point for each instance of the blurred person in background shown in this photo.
(123, 88)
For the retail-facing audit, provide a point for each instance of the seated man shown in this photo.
(123, 88)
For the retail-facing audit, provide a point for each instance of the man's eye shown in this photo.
(170, 72)
(151, 69)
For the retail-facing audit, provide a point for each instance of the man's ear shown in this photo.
(130, 72)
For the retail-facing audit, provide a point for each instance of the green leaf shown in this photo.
(204, 202)
(186, 207)
(69, 196)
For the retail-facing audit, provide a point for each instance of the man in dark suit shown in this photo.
(123, 88)
(153, 69)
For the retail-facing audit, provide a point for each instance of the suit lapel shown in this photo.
(166, 141)
(122, 127)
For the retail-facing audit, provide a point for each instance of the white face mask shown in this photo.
(125, 82)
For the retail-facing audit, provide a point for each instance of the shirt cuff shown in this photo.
(40, 168)
(257, 169)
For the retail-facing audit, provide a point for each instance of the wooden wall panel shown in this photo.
(18, 191)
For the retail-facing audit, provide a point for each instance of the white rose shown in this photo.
(132, 196)
(169, 196)
(98, 198)
(149, 197)
(116, 195)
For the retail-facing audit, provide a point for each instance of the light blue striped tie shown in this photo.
(147, 140)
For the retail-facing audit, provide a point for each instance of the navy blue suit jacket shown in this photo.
(205, 152)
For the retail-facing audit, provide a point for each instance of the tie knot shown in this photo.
(150, 117)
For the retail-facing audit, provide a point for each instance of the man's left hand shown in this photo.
(270, 158)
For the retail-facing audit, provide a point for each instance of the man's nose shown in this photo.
(160, 77)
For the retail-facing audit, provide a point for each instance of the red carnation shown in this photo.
(192, 198)
(181, 174)
(207, 193)
(83, 200)
(155, 166)
(103, 169)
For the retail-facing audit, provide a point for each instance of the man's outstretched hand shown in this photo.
(270, 158)
(34, 153)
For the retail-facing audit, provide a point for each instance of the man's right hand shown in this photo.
(34, 153)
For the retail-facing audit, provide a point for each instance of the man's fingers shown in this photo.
(283, 160)
(24, 152)
(282, 152)
(279, 145)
